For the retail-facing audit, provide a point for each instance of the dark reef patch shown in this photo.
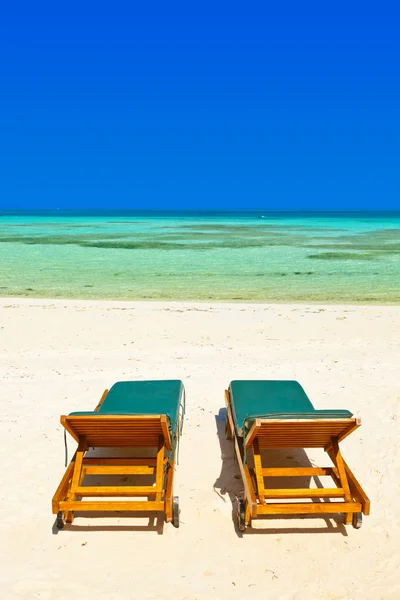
(341, 256)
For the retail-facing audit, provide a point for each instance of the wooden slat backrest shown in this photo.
(299, 433)
(116, 430)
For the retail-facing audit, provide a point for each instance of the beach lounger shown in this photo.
(265, 415)
(132, 414)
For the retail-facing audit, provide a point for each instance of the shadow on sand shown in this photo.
(155, 522)
(229, 484)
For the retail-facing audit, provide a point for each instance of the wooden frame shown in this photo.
(100, 431)
(296, 433)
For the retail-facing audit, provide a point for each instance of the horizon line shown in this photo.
(201, 210)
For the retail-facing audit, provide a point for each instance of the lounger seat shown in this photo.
(274, 414)
(125, 398)
(142, 397)
(274, 399)
(132, 414)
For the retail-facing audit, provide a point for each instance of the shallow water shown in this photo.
(282, 257)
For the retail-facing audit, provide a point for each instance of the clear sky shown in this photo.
(180, 105)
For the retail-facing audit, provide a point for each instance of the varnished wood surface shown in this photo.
(115, 490)
(135, 506)
(298, 433)
(297, 508)
(304, 493)
(297, 472)
(128, 431)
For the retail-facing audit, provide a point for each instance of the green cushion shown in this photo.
(143, 398)
(274, 399)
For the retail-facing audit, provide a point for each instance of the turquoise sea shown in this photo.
(252, 256)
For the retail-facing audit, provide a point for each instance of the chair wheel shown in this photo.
(175, 512)
(357, 520)
(241, 510)
(228, 432)
(60, 520)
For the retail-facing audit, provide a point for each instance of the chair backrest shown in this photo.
(299, 433)
(118, 430)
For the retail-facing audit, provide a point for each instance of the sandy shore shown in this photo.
(58, 356)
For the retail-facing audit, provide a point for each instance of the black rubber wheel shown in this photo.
(60, 520)
(357, 520)
(175, 512)
(228, 433)
(241, 510)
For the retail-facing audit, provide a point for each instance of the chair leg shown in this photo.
(64, 486)
(77, 477)
(247, 516)
(336, 457)
(69, 517)
(258, 470)
(169, 491)
(160, 468)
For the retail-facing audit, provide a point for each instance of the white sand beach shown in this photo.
(58, 356)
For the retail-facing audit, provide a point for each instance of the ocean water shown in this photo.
(248, 256)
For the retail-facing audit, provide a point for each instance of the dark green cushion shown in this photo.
(143, 398)
(274, 399)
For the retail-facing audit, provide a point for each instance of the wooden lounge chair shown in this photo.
(132, 414)
(265, 415)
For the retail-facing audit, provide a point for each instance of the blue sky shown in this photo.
(167, 105)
